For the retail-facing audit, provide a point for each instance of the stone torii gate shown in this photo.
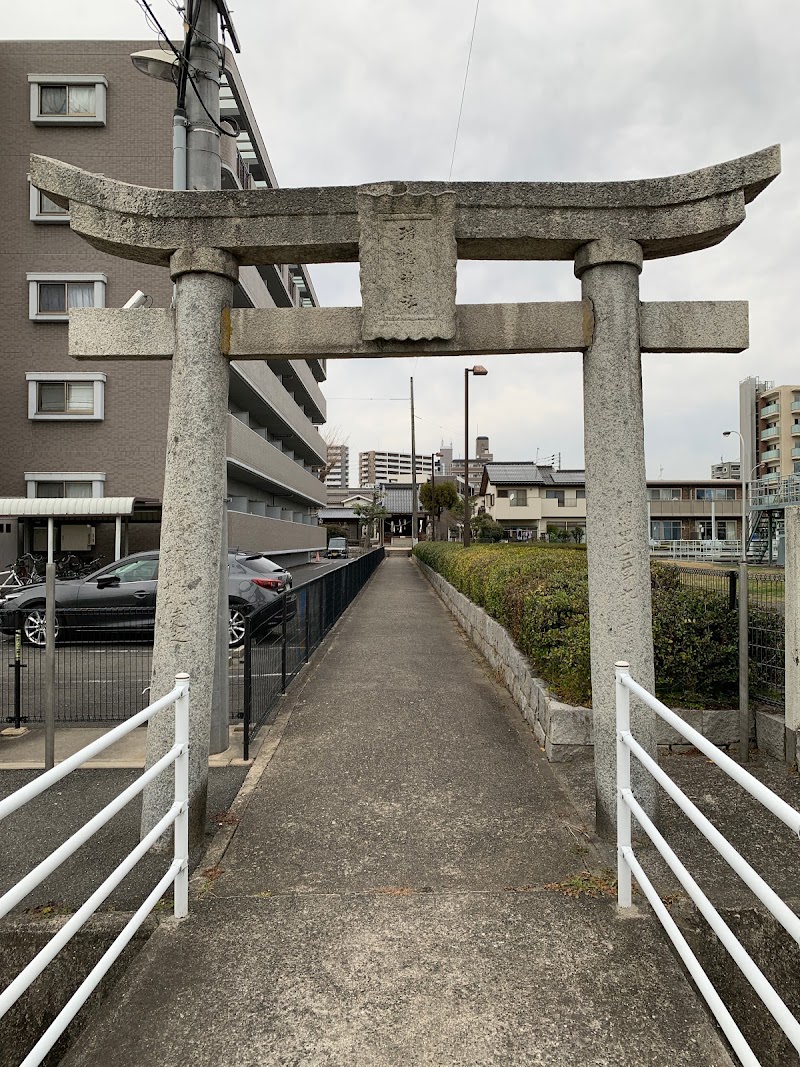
(408, 237)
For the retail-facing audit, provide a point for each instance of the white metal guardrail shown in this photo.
(628, 865)
(694, 550)
(178, 871)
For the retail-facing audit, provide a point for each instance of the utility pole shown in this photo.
(187, 636)
(433, 496)
(414, 519)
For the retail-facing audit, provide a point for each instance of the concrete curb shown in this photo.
(566, 732)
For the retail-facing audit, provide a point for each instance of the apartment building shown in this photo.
(338, 464)
(378, 468)
(726, 469)
(531, 500)
(769, 422)
(74, 429)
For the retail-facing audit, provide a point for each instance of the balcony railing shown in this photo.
(773, 453)
(770, 409)
(795, 429)
(796, 451)
(772, 431)
(796, 405)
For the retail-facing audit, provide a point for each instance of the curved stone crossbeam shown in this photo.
(494, 220)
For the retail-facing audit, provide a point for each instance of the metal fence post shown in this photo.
(181, 835)
(306, 604)
(18, 673)
(744, 667)
(283, 645)
(248, 687)
(621, 669)
(732, 590)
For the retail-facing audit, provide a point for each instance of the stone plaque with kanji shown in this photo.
(407, 248)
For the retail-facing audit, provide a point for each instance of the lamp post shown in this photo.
(744, 694)
(480, 372)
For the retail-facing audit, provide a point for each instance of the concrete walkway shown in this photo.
(400, 889)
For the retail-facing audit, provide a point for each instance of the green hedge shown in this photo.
(539, 593)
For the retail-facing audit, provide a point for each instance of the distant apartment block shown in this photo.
(769, 422)
(338, 457)
(454, 468)
(100, 429)
(726, 469)
(377, 468)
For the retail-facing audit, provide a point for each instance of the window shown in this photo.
(715, 494)
(137, 570)
(68, 99)
(72, 395)
(59, 490)
(50, 296)
(555, 494)
(666, 530)
(45, 210)
(60, 484)
(580, 494)
(502, 494)
(663, 494)
(518, 498)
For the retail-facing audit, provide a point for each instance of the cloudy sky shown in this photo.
(356, 91)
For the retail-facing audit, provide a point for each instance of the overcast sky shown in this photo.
(356, 91)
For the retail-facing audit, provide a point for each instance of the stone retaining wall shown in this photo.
(564, 731)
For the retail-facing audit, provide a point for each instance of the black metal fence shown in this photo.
(103, 657)
(277, 645)
(766, 599)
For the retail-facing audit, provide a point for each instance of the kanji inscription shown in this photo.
(407, 248)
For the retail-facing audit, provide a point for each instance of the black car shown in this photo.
(129, 586)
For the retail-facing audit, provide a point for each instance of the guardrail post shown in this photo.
(181, 887)
(623, 699)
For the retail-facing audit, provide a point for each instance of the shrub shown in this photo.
(539, 593)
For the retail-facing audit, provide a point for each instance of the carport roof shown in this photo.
(74, 507)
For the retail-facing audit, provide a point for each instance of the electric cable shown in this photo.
(464, 89)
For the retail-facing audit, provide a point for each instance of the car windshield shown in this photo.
(134, 570)
(337, 542)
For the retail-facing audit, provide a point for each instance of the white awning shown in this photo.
(66, 507)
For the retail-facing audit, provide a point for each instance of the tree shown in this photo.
(371, 514)
(435, 499)
(336, 531)
(484, 528)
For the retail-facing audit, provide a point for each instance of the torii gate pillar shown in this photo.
(620, 609)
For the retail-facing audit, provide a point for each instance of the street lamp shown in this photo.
(744, 694)
(743, 476)
(479, 372)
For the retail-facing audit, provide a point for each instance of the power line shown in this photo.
(464, 89)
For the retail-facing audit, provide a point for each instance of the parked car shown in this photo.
(254, 583)
(337, 548)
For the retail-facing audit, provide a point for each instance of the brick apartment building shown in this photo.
(78, 430)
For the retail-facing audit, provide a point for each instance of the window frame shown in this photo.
(513, 498)
(35, 279)
(44, 218)
(36, 378)
(97, 81)
(97, 478)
